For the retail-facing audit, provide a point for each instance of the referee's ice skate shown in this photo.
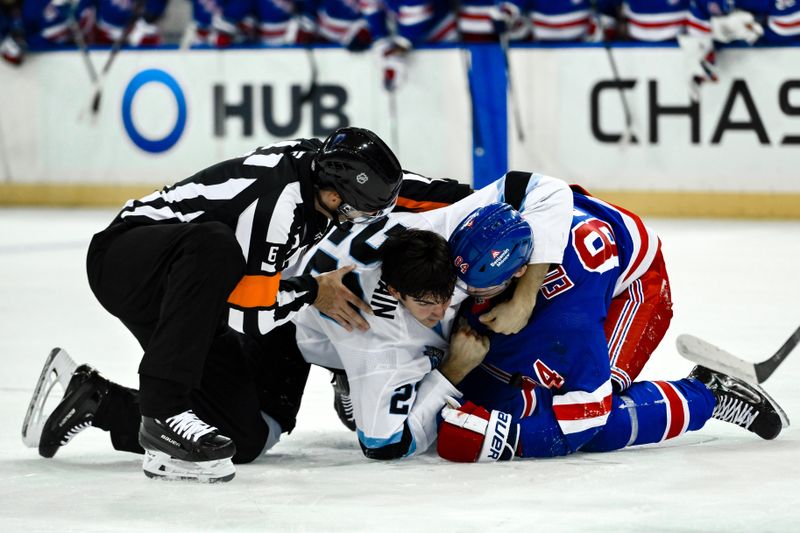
(76, 411)
(183, 447)
(57, 369)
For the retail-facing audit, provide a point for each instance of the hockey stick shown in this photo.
(393, 125)
(77, 36)
(138, 8)
(629, 136)
(706, 354)
(312, 86)
(512, 94)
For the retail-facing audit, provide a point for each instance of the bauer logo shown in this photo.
(154, 111)
(499, 437)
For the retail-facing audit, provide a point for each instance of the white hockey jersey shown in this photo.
(394, 385)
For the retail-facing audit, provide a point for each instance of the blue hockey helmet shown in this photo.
(489, 246)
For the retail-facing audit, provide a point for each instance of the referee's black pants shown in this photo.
(168, 284)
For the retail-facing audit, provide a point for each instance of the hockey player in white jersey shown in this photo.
(397, 385)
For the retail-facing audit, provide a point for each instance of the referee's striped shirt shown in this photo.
(267, 198)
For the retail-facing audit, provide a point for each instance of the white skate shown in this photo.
(158, 465)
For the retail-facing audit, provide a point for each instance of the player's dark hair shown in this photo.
(416, 263)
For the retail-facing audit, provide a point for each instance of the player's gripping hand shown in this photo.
(337, 301)
(511, 316)
(467, 350)
(507, 317)
(471, 434)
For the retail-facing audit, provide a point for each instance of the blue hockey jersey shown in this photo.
(558, 365)
(414, 21)
(780, 18)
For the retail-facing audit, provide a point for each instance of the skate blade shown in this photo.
(778, 409)
(58, 368)
(158, 465)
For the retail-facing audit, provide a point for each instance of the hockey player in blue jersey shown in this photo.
(54, 22)
(334, 21)
(131, 20)
(241, 21)
(397, 26)
(547, 391)
(780, 19)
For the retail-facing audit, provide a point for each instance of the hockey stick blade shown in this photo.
(119, 42)
(706, 354)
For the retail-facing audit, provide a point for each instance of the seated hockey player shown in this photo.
(547, 390)
(395, 389)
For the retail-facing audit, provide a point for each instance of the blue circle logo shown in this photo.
(155, 146)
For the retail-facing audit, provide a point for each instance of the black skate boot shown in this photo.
(83, 396)
(742, 404)
(183, 447)
(341, 400)
(57, 370)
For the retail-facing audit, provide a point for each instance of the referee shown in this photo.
(187, 267)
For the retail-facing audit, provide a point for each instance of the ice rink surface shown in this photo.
(735, 283)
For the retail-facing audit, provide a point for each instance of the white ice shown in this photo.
(735, 283)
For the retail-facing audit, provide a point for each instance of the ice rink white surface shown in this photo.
(735, 283)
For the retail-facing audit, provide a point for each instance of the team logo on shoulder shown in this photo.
(434, 354)
(362, 178)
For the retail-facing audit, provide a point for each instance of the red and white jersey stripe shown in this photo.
(785, 25)
(655, 26)
(338, 30)
(476, 19)
(445, 31)
(677, 410)
(624, 322)
(273, 33)
(411, 15)
(369, 7)
(577, 411)
(562, 27)
(697, 26)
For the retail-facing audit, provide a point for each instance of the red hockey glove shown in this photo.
(472, 434)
